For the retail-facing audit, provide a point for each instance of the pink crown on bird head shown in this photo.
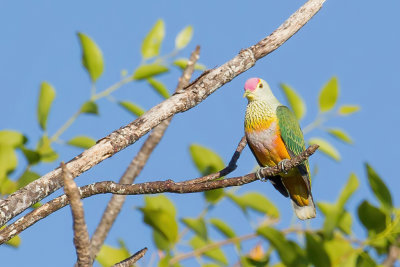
(251, 84)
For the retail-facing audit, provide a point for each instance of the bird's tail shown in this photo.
(306, 211)
(301, 197)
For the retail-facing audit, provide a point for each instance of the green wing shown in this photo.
(293, 138)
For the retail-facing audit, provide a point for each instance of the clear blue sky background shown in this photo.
(356, 40)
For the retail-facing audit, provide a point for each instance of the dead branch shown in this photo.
(146, 188)
(194, 94)
(81, 235)
(135, 167)
(132, 260)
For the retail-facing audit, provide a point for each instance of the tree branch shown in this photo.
(206, 248)
(227, 170)
(146, 188)
(135, 167)
(180, 102)
(81, 236)
(132, 260)
(393, 254)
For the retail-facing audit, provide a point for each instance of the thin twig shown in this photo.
(132, 259)
(81, 235)
(145, 188)
(135, 167)
(129, 134)
(202, 250)
(227, 170)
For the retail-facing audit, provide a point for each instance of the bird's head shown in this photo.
(256, 89)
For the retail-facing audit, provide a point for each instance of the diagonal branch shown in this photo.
(180, 102)
(135, 167)
(146, 188)
(132, 260)
(227, 170)
(81, 236)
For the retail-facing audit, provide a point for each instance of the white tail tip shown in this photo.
(305, 212)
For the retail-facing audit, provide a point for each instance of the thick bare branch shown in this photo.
(81, 235)
(145, 188)
(135, 167)
(180, 102)
(132, 260)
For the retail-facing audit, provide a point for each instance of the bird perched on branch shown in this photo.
(274, 136)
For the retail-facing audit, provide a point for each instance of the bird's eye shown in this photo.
(261, 85)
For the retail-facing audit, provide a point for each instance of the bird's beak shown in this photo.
(249, 95)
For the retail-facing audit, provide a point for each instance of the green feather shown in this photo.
(293, 138)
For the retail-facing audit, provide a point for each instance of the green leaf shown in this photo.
(289, 252)
(316, 252)
(108, 255)
(373, 219)
(14, 242)
(46, 97)
(348, 190)
(296, 103)
(90, 107)
(33, 157)
(223, 227)
(345, 222)
(205, 159)
(346, 110)
(184, 37)
(182, 64)
(160, 202)
(336, 214)
(260, 203)
(207, 162)
(210, 265)
(379, 188)
(159, 213)
(92, 57)
(152, 42)
(47, 154)
(216, 254)
(82, 142)
(7, 186)
(329, 95)
(160, 241)
(345, 219)
(340, 134)
(163, 222)
(213, 196)
(197, 225)
(325, 147)
(159, 87)
(132, 108)
(8, 161)
(36, 205)
(257, 202)
(26, 178)
(149, 70)
(12, 138)
(365, 260)
(340, 251)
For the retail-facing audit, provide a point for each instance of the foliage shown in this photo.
(332, 244)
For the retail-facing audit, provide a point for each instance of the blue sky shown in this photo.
(355, 40)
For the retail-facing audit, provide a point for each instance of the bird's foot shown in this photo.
(281, 165)
(259, 176)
